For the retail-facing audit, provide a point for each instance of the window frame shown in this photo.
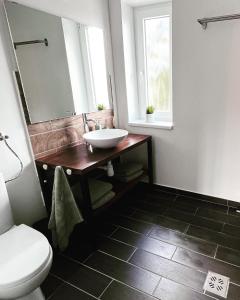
(140, 14)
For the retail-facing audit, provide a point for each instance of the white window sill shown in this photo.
(157, 124)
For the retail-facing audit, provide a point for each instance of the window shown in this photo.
(153, 51)
(95, 66)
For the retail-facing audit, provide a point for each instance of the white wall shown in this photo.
(25, 192)
(44, 70)
(201, 154)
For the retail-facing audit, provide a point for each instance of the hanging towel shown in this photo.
(65, 213)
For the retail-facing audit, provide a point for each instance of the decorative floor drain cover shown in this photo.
(216, 284)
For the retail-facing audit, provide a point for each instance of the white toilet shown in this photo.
(25, 256)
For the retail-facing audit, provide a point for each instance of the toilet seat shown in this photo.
(24, 252)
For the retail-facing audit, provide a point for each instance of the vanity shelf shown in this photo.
(81, 163)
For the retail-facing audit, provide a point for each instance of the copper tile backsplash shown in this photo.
(56, 135)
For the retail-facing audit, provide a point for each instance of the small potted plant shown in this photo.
(150, 113)
(100, 107)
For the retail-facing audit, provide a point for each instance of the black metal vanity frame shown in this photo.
(78, 162)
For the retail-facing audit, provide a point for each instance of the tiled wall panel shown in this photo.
(56, 135)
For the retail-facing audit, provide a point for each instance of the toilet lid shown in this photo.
(23, 253)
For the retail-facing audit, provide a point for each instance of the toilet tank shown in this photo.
(6, 217)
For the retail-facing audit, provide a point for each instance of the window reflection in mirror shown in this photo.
(97, 66)
(64, 77)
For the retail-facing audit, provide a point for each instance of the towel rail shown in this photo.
(45, 42)
(204, 22)
(68, 171)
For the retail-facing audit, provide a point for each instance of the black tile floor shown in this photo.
(152, 245)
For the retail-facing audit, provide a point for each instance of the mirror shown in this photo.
(61, 64)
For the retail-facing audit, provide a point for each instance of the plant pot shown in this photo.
(150, 118)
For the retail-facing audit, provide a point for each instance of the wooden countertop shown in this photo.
(80, 160)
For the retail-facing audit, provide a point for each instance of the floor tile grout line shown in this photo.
(173, 253)
(145, 234)
(132, 218)
(148, 213)
(201, 207)
(204, 218)
(99, 297)
(159, 204)
(202, 239)
(212, 230)
(114, 279)
(231, 264)
(186, 229)
(150, 223)
(233, 283)
(83, 264)
(156, 287)
(88, 257)
(232, 237)
(131, 255)
(181, 247)
(161, 277)
(142, 268)
(163, 257)
(223, 225)
(111, 234)
(197, 198)
(216, 252)
(164, 241)
(127, 262)
(152, 237)
(62, 283)
(116, 240)
(121, 282)
(203, 200)
(197, 209)
(74, 286)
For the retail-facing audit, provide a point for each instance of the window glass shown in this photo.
(157, 62)
(153, 46)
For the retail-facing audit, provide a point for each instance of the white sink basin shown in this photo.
(105, 138)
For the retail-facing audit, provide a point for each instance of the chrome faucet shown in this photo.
(85, 122)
